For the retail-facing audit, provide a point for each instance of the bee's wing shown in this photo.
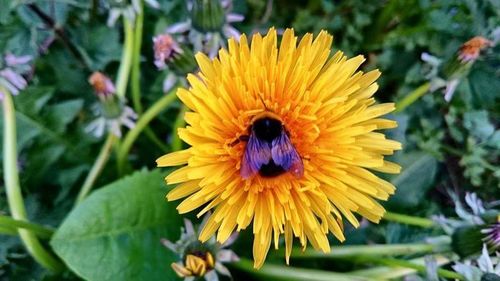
(284, 154)
(257, 153)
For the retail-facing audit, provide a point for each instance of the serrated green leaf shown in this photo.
(115, 233)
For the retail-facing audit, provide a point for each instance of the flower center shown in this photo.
(199, 263)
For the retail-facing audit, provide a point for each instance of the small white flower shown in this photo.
(169, 82)
(11, 73)
(128, 9)
(207, 42)
(473, 270)
(475, 209)
(101, 124)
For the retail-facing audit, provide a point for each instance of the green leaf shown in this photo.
(494, 141)
(63, 113)
(484, 85)
(33, 99)
(416, 178)
(100, 43)
(477, 122)
(115, 233)
(5, 11)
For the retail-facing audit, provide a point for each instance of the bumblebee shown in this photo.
(268, 150)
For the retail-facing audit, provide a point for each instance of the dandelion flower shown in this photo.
(283, 138)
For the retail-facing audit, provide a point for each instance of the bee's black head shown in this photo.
(267, 128)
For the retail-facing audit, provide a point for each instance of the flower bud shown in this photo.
(492, 236)
(490, 277)
(471, 49)
(103, 86)
(111, 106)
(467, 240)
(169, 53)
(207, 15)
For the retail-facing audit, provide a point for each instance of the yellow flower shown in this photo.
(195, 266)
(314, 171)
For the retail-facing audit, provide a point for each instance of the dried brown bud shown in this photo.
(103, 86)
(470, 50)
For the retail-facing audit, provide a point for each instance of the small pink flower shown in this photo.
(165, 47)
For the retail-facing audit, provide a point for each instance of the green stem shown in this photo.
(179, 122)
(412, 97)
(367, 250)
(418, 267)
(452, 150)
(135, 75)
(152, 137)
(390, 273)
(13, 189)
(143, 121)
(126, 61)
(406, 219)
(40, 230)
(8, 231)
(96, 169)
(279, 272)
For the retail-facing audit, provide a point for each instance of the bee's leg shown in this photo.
(244, 138)
(286, 132)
